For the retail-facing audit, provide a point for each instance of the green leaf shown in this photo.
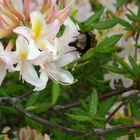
(131, 137)
(125, 24)
(115, 134)
(105, 106)
(106, 45)
(93, 104)
(8, 110)
(80, 118)
(133, 18)
(32, 99)
(137, 46)
(95, 17)
(42, 107)
(83, 104)
(134, 65)
(123, 63)
(105, 24)
(113, 69)
(13, 89)
(134, 110)
(55, 92)
(98, 124)
(88, 55)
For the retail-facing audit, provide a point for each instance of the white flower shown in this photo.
(26, 53)
(69, 35)
(108, 4)
(40, 32)
(7, 58)
(83, 10)
(53, 66)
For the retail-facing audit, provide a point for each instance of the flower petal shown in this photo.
(67, 58)
(25, 31)
(38, 24)
(51, 30)
(33, 51)
(71, 31)
(22, 48)
(44, 78)
(1, 47)
(60, 75)
(29, 74)
(2, 74)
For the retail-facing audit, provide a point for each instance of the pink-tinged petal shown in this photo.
(67, 58)
(29, 74)
(12, 9)
(51, 17)
(2, 74)
(25, 31)
(59, 75)
(63, 14)
(51, 30)
(8, 58)
(44, 78)
(26, 8)
(18, 5)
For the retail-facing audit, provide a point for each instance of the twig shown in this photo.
(115, 110)
(102, 97)
(95, 132)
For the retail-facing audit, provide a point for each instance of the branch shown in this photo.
(102, 97)
(95, 132)
(113, 113)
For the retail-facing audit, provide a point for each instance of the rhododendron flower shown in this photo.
(82, 10)
(25, 56)
(108, 4)
(17, 12)
(115, 78)
(70, 33)
(53, 66)
(7, 59)
(39, 32)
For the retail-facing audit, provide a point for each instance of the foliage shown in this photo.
(106, 90)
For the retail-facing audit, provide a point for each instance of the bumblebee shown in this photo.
(84, 42)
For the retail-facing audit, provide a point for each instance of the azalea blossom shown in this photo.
(39, 32)
(7, 59)
(54, 66)
(25, 56)
(14, 13)
(108, 4)
(115, 78)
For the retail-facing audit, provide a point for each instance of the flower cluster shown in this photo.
(127, 42)
(36, 24)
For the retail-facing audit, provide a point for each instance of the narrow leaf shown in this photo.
(55, 92)
(113, 69)
(95, 17)
(93, 104)
(80, 118)
(105, 24)
(107, 44)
